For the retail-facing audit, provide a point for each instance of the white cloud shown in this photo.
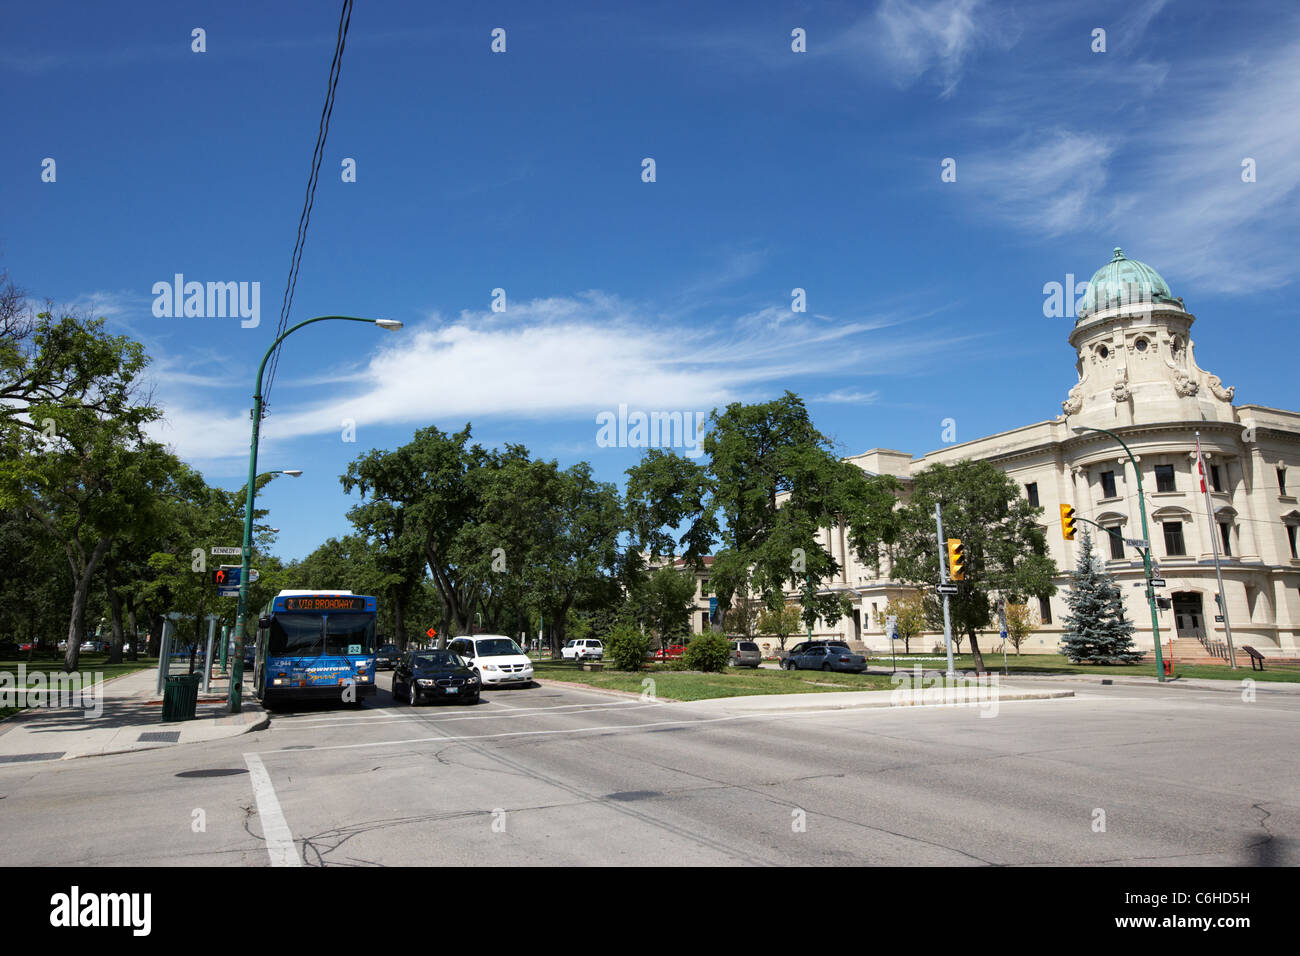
(556, 359)
(1166, 183)
(913, 39)
(847, 396)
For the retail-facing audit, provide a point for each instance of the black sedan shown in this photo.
(386, 657)
(434, 675)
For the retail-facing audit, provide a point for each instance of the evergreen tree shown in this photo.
(1097, 630)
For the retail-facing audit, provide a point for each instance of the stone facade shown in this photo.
(1137, 375)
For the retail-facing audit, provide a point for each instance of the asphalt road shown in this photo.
(555, 775)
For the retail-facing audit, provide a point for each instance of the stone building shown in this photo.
(1138, 376)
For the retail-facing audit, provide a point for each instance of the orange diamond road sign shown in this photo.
(432, 632)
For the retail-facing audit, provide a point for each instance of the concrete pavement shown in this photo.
(120, 715)
(551, 775)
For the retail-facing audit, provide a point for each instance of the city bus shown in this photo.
(315, 645)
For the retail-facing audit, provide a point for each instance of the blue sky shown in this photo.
(522, 170)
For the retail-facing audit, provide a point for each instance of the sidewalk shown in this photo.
(131, 720)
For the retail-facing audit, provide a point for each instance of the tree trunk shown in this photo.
(81, 577)
(115, 609)
(155, 634)
(975, 651)
(133, 630)
(399, 622)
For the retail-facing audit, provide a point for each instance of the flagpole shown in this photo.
(1214, 544)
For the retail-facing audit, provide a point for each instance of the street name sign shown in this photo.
(227, 551)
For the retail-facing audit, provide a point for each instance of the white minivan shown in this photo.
(495, 658)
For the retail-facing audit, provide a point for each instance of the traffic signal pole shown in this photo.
(943, 579)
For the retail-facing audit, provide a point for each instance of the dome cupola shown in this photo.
(1124, 281)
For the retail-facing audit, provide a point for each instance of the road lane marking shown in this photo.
(393, 715)
(835, 711)
(275, 829)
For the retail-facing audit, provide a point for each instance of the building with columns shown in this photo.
(1138, 376)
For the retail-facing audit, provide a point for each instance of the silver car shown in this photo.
(744, 654)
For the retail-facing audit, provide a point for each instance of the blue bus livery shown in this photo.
(316, 645)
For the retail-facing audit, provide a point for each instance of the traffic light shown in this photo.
(956, 559)
(1067, 522)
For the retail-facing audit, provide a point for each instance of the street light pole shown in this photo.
(1146, 552)
(237, 665)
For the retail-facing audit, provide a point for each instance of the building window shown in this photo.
(1045, 610)
(1116, 543)
(1174, 539)
(704, 622)
(1281, 479)
(1165, 478)
(1225, 532)
(1108, 484)
(1216, 477)
(1031, 491)
(704, 588)
(1290, 537)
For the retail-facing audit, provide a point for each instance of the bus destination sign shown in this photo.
(325, 603)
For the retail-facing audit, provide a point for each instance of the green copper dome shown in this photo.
(1123, 281)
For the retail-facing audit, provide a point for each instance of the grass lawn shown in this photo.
(1031, 664)
(694, 685)
(91, 664)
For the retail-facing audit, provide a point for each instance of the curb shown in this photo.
(606, 690)
(880, 704)
(260, 724)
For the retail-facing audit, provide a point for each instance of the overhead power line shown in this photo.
(322, 131)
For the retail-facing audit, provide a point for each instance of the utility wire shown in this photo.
(336, 67)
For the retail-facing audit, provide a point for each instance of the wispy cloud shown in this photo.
(1184, 205)
(935, 39)
(559, 359)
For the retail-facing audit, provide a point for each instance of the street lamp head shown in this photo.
(292, 472)
(1079, 429)
(391, 325)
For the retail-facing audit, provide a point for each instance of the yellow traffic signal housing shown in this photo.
(956, 559)
(1067, 522)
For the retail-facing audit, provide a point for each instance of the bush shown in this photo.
(707, 652)
(626, 647)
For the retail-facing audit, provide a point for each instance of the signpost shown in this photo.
(891, 629)
(943, 586)
(227, 579)
(232, 552)
(947, 589)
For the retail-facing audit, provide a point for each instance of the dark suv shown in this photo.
(824, 656)
(386, 657)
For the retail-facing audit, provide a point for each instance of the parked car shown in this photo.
(495, 658)
(670, 653)
(386, 657)
(434, 675)
(825, 656)
(88, 646)
(583, 649)
(744, 654)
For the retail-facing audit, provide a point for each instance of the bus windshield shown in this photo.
(294, 635)
(349, 634)
(321, 635)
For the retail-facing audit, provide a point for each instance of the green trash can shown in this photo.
(180, 698)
